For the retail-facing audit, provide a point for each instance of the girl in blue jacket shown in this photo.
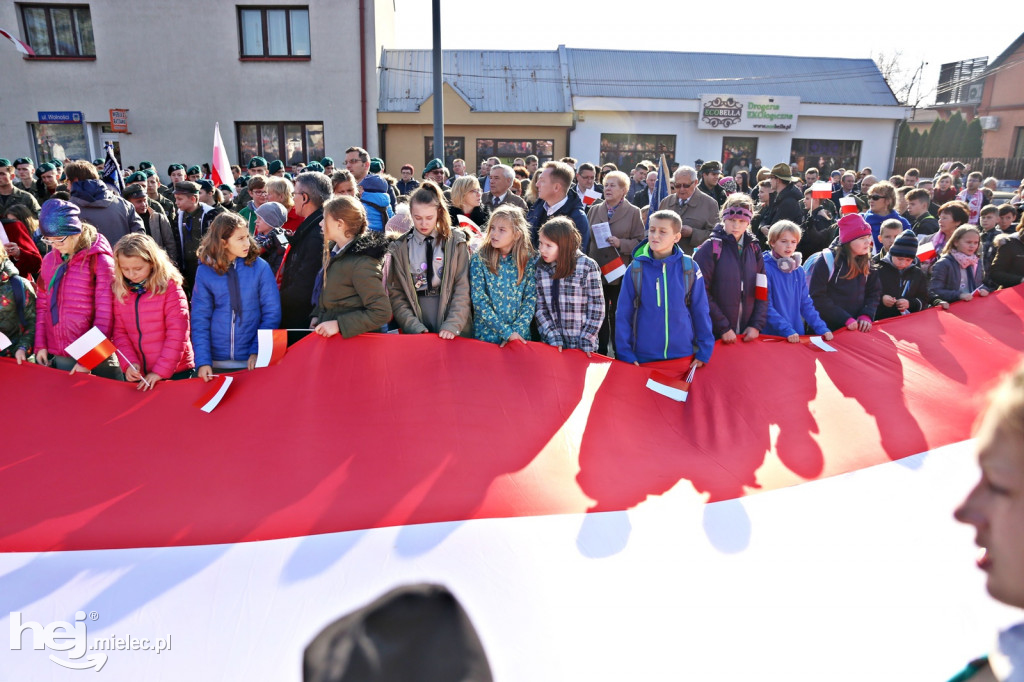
(235, 295)
(662, 313)
(789, 303)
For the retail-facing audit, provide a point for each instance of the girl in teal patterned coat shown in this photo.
(501, 276)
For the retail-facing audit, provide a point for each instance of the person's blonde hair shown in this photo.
(212, 251)
(139, 245)
(958, 234)
(462, 187)
(737, 199)
(86, 238)
(619, 177)
(284, 189)
(1005, 411)
(782, 227)
(522, 246)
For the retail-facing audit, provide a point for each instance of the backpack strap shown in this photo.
(636, 271)
(689, 276)
(716, 248)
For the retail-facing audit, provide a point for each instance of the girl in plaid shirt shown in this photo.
(570, 303)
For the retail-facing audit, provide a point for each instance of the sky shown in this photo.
(785, 29)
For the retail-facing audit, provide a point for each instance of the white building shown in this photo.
(284, 80)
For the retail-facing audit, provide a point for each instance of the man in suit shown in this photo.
(643, 197)
(501, 177)
(585, 178)
(698, 211)
(846, 189)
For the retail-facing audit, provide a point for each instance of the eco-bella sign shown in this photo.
(749, 112)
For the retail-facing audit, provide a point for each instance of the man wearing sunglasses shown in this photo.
(697, 210)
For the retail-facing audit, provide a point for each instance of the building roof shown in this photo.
(489, 80)
(546, 81)
(1006, 53)
(688, 75)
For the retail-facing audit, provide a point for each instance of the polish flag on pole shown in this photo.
(761, 287)
(210, 400)
(91, 349)
(465, 222)
(590, 196)
(20, 46)
(848, 205)
(273, 344)
(677, 389)
(821, 190)
(614, 270)
(925, 252)
(221, 166)
(5, 342)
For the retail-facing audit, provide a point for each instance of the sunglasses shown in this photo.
(876, 197)
(685, 185)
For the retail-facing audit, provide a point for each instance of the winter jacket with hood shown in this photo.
(571, 209)
(354, 294)
(10, 321)
(111, 215)
(376, 202)
(910, 283)
(228, 310)
(949, 280)
(152, 330)
(730, 276)
(789, 302)
(840, 300)
(784, 205)
(666, 328)
(1008, 265)
(84, 298)
(454, 309)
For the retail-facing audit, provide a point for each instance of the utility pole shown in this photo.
(438, 84)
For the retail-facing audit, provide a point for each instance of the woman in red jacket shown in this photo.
(151, 321)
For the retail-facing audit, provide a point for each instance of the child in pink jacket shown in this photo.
(151, 319)
(74, 292)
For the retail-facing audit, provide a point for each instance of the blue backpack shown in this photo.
(830, 261)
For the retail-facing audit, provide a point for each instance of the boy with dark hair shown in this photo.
(919, 212)
(663, 313)
(1008, 218)
(904, 284)
(989, 223)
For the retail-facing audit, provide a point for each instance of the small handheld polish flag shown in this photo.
(848, 205)
(91, 349)
(590, 196)
(761, 287)
(211, 399)
(925, 251)
(821, 190)
(614, 270)
(465, 222)
(677, 389)
(273, 344)
(5, 342)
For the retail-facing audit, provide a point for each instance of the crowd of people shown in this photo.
(575, 255)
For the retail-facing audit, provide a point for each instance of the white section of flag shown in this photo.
(5, 342)
(672, 392)
(22, 47)
(820, 343)
(592, 196)
(219, 395)
(265, 341)
(221, 165)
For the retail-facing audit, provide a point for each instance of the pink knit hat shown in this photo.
(853, 226)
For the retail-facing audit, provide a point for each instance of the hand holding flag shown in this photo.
(91, 349)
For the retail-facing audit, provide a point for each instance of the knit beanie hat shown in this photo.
(905, 245)
(273, 213)
(59, 218)
(851, 227)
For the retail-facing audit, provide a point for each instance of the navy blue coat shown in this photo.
(731, 278)
(837, 299)
(571, 209)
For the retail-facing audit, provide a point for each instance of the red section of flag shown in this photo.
(280, 345)
(612, 266)
(761, 287)
(590, 196)
(882, 397)
(91, 349)
(97, 355)
(213, 397)
(465, 222)
(221, 166)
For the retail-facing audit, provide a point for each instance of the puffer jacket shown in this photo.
(218, 332)
(111, 215)
(376, 202)
(666, 328)
(10, 321)
(839, 300)
(1008, 265)
(949, 280)
(354, 293)
(152, 330)
(789, 304)
(454, 308)
(731, 277)
(83, 301)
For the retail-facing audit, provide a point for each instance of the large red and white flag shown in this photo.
(221, 166)
(19, 45)
(91, 349)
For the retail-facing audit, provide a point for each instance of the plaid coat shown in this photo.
(576, 318)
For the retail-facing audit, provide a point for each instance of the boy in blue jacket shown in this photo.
(662, 311)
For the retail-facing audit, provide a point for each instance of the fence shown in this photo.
(1003, 169)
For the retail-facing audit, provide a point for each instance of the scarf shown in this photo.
(235, 290)
(136, 287)
(964, 260)
(58, 277)
(788, 263)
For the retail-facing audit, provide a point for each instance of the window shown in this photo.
(454, 148)
(825, 155)
(507, 150)
(273, 32)
(59, 30)
(282, 141)
(738, 153)
(61, 141)
(625, 151)
(1018, 148)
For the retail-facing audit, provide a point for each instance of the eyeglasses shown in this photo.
(876, 197)
(53, 241)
